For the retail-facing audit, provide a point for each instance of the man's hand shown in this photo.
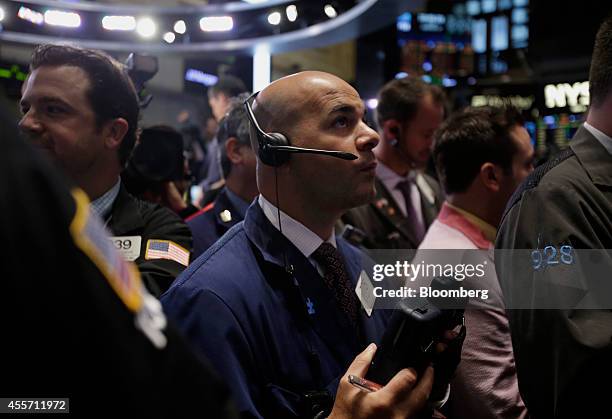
(403, 397)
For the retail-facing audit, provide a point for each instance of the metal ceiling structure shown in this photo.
(363, 16)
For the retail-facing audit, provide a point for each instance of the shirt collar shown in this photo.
(487, 231)
(304, 239)
(604, 139)
(103, 204)
(390, 179)
(239, 204)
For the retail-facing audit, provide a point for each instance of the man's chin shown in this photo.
(363, 198)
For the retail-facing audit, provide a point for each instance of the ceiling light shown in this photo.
(292, 12)
(330, 11)
(216, 23)
(169, 37)
(274, 18)
(180, 27)
(61, 18)
(30, 15)
(146, 27)
(119, 23)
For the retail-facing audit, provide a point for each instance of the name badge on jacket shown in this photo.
(128, 246)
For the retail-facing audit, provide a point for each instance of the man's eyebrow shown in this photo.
(344, 108)
(46, 100)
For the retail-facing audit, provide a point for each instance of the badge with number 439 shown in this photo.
(128, 246)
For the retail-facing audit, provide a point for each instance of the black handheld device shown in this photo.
(415, 328)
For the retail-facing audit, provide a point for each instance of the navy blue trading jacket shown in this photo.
(271, 335)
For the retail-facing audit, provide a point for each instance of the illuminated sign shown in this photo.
(431, 22)
(404, 22)
(14, 72)
(575, 96)
(201, 77)
(519, 102)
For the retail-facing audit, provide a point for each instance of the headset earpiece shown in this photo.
(396, 135)
(267, 154)
(274, 147)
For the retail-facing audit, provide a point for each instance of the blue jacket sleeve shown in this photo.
(213, 329)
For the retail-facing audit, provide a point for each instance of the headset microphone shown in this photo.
(275, 148)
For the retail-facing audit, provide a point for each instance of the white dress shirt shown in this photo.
(297, 233)
(604, 139)
(390, 179)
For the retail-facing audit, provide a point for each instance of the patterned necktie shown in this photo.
(336, 279)
(418, 229)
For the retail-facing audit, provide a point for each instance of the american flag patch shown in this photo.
(166, 249)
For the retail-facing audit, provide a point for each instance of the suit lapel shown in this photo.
(429, 206)
(125, 214)
(387, 208)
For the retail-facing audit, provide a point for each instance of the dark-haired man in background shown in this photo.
(80, 107)
(407, 200)
(563, 355)
(220, 99)
(238, 163)
(481, 155)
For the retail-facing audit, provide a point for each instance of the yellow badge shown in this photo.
(226, 216)
(90, 236)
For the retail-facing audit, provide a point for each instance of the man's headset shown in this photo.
(396, 145)
(275, 148)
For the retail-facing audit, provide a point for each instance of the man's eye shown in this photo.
(24, 110)
(341, 122)
(53, 110)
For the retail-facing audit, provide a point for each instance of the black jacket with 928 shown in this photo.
(563, 354)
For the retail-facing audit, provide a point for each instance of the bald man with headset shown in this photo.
(272, 303)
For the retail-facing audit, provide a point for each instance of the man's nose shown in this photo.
(368, 139)
(30, 124)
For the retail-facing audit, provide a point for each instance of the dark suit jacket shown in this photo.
(382, 221)
(133, 217)
(563, 355)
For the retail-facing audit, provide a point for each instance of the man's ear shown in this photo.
(114, 132)
(233, 150)
(491, 176)
(391, 129)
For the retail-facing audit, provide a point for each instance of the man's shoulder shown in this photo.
(157, 218)
(203, 218)
(223, 266)
(560, 175)
(443, 236)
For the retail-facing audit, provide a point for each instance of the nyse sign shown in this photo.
(562, 95)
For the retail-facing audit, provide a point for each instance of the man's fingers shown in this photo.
(361, 363)
(421, 392)
(401, 385)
